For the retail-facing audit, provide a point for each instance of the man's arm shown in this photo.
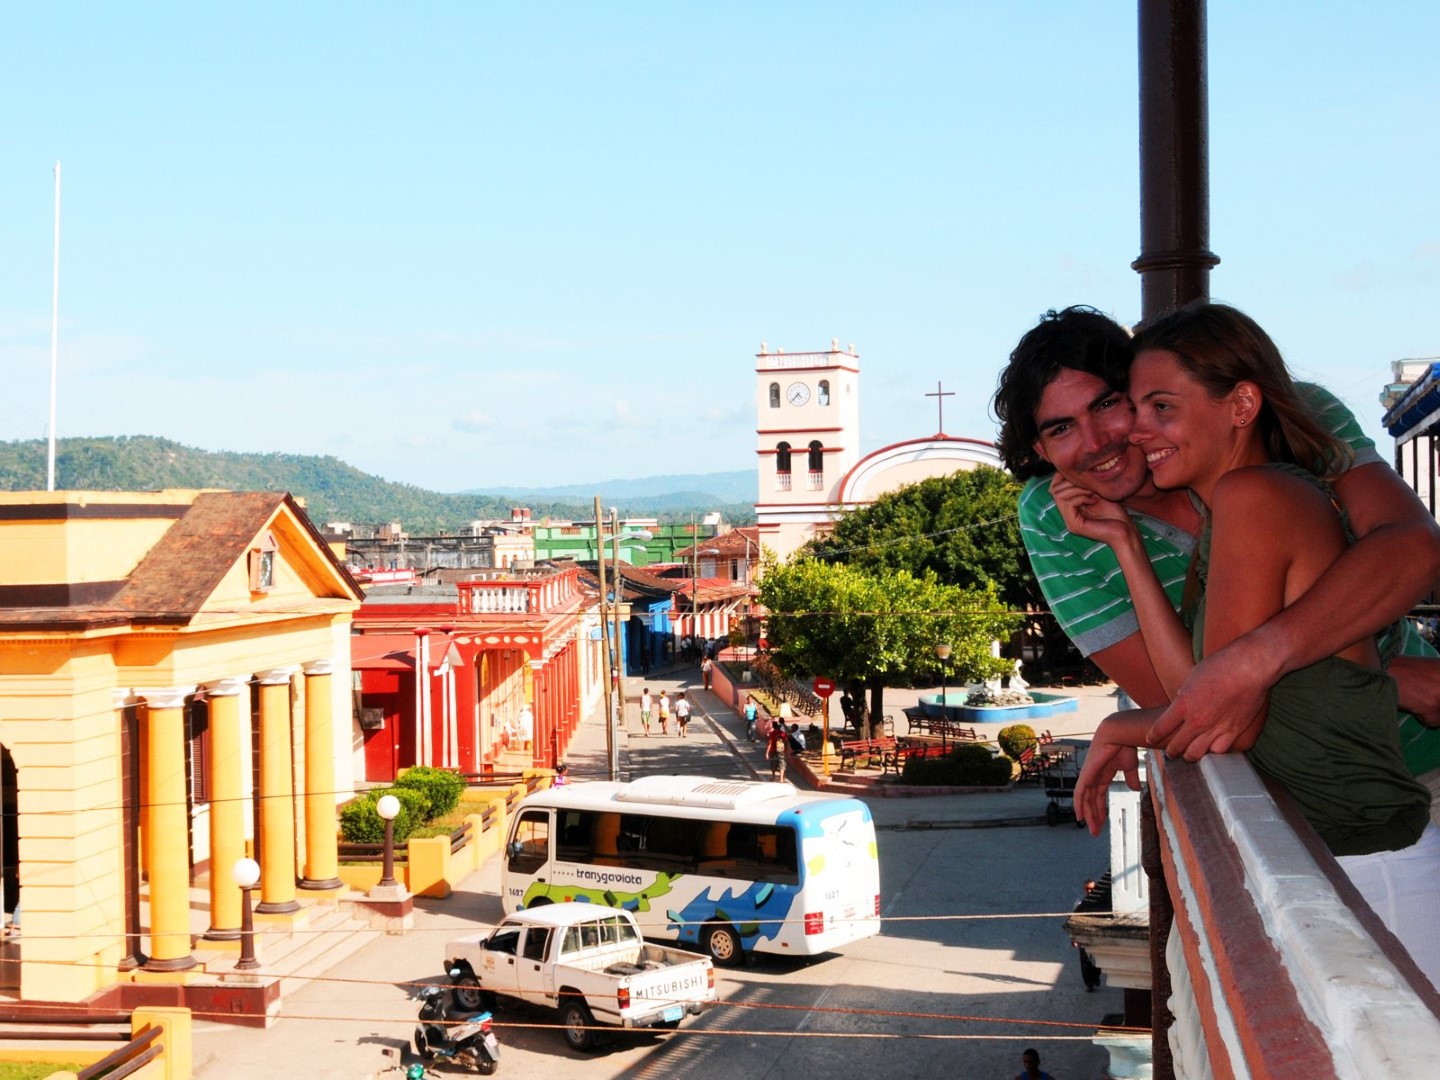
(1418, 678)
(1394, 562)
(1127, 663)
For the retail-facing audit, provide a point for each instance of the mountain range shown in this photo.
(335, 491)
(725, 487)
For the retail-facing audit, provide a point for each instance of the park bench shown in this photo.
(1034, 760)
(902, 753)
(923, 723)
(853, 750)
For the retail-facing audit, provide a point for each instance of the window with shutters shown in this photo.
(197, 745)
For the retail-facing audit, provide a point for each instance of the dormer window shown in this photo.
(262, 564)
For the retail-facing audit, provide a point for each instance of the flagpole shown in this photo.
(54, 330)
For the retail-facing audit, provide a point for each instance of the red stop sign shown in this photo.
(823, 687)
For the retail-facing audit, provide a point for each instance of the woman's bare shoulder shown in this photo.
(1267, 492)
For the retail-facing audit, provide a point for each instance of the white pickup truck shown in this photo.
(589, 961)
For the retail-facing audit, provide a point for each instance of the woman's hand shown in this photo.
(1088, 515)
(1112, 750)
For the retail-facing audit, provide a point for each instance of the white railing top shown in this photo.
(1285, 978)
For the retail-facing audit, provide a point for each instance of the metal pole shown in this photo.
(1175, 256)
(54, 334)
(611, 758)
(825, 746)
(694, 581)
(387, 871)
(247, 961)
(619, 584)
(944, 707)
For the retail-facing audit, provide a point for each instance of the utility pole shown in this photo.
(619, 662)
(694, 582)
(611, 757)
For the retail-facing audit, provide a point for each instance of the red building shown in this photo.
(454, 675)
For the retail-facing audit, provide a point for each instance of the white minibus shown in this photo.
(730, 866)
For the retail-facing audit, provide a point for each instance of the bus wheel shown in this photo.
(723, 945)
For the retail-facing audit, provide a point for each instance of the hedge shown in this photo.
(1016, 739)
(361, 823)
(967, 765)
(441, 786)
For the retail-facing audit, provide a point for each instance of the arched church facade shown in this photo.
(810, 469)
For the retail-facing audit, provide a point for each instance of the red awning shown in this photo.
(396, 652)
(382, 652)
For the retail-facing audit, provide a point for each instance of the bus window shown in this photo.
(717, 856)
(773, 856)
(671, 845)
(530, 848)
(572, 841)
(607, 841)
(537, 942)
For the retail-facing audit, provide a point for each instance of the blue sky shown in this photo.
(465, 244)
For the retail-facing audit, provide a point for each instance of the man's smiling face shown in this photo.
(1084, 427)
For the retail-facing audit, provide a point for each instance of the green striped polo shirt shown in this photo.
(1086, 591)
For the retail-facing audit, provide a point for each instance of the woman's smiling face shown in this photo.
(1189, 438)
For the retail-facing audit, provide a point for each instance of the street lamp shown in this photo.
(246, 873)
(942, 653)
(387, 806)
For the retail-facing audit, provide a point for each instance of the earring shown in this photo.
(1242, 423)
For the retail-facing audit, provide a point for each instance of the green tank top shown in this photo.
(1331, 741)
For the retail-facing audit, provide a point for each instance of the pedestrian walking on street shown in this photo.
(1030, 1059)
(645, 705)
(752, 711)
(707, 669)
(775, 748)
(664, 713)
(682, 715)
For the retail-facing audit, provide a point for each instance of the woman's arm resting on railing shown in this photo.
(1112, 750)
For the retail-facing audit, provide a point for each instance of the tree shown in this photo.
(865, 630)
(961, 527)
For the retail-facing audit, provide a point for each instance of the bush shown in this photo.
(441, 786)
(361, 823)
(967, 765)
(1016, 739)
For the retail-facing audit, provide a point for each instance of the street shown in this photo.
(935, 994)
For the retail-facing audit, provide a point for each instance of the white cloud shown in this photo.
(472, 422)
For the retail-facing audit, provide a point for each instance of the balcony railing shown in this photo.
(782, 481)
(518, 591)
(817, 481)
(1277, 968)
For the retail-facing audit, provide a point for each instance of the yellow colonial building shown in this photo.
(174, 695)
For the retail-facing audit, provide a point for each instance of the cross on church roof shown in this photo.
(940, 395)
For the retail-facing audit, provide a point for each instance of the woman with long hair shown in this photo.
(1217, 412)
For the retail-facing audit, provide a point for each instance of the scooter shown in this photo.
(466, 1039)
